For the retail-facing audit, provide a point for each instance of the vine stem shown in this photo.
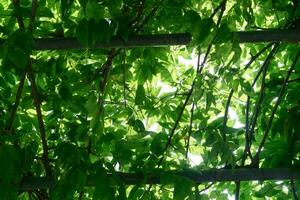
(189, 94)
(281, 93)
(16, 104)
(190, 131)
(247, 138)
(37, 103)
(262, 89)
(226, 115)
(33, 86)
(294, 192)
(124, 77)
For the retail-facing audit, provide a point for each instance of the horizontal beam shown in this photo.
(292, 36)
(160, 40)
(116, 42)
(214, 175)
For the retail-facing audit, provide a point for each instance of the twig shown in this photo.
(226, 115)
(294, 192)
(22, 79)
(262, 89)
(247, 137)
(147, 19)
(223, 7)
(187, 97)
(124, 78)
(189, 132)
(40, 119)
(237, 190)
(34, 87)
(176, 124)
(294, 80)
(140, 10)
(16, 104)
(282, 90)
(34, 5)
(80, 195)
(247, 146)
(253, 58)
(247, 126)
(18, 16)
(247, 150)
(206, 188)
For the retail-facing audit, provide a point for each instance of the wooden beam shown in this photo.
(213, 175)
(161, 40)
(292, 36)
(116, 42)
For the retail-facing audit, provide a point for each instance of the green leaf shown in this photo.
(7, 191)
(83, 4)
(158, 144)
(140, 95)
(89, 32)
(267, 190)
(101, 31)
(93, 10)
(103, 189)
(82, 32)
(44, 12)
(10, 163)
(65, 92)
(64, 8)
(139, 126)
(74, 179)
(182, 188)
(91, 105)
(203, 34)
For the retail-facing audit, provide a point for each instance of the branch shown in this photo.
(253, 58)
(294, 192)
(176, 124)
(18, 16)
(34, 5)
(140, 10)
(222, 6)
(247, 138)
(33, 86)
(206, 188)
(22, 79)
(237, 190)
(188, 96)
(124, 78)
(294, 80)
(37, 103)
(226, 115)
(282, 90)
(247, 135)
(147, 18)
(189, 131)
(16, 104)
(212, 175)
(262, 89)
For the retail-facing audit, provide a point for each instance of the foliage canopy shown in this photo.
(214, 103)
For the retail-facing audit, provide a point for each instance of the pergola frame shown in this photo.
(213, 175)
(164, 40)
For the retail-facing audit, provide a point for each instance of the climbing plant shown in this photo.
(90, 109)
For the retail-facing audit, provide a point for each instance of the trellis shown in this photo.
(213, 175)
